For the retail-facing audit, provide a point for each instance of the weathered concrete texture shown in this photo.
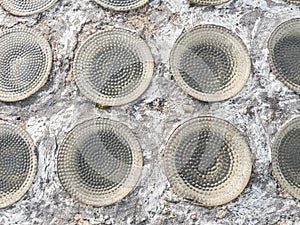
(262, 107)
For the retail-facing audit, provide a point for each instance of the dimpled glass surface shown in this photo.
(210, 63)
(207, 161)
(293, 1)
(284, 53)
(25, 62)
(199, 155)
(121, 5)
(99, 162)
(113, 67)
(208, 2)
(286, 158)
(17, 163)
(27, 7)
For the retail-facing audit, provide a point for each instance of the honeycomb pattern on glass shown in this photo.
(286, 157)
(113, 67)
(25, 63)
(208, 2)
(210, 63)
(283, 46)
(18, 163)
(122, 5)
(27, 7)
(207, 161)
(99, 162)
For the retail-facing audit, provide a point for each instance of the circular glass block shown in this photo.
(113, 67)
(99, 162)
(18, 163)
(286, 158)
(122, 5)
(208, 2)
(25, 63)
(207, 161)
(284, 53)
(210, 63)
(27, 7)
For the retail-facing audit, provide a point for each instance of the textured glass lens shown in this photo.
(25, 63)
(210, 63)
(99, 162)
(293, 1)
(17, 163)
(27, 7)
(286, 158)
(208, 2)
(207, 161)
(113, 68)
(121, 5)
(284, 53)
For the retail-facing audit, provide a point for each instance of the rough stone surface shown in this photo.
(259, 110)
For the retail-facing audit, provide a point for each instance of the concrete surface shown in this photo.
(259, 110)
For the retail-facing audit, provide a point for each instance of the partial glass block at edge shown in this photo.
(283, 46)
(25, 63)
(27, 7)
(286, 157)
(18, 163)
